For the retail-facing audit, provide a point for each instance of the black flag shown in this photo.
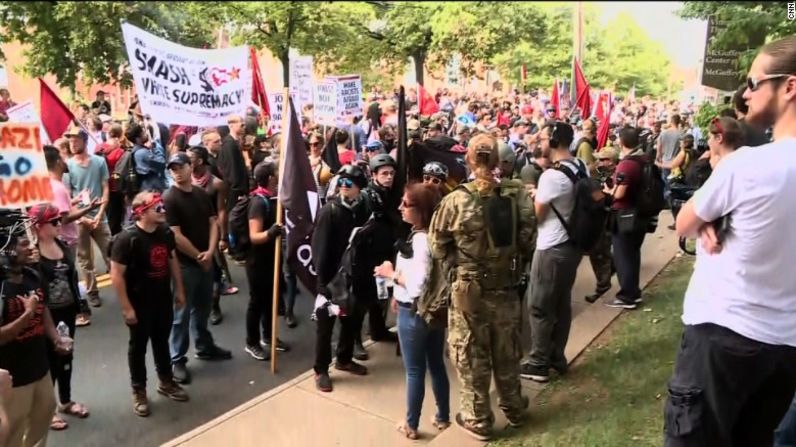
(299, 196)
(403, 152)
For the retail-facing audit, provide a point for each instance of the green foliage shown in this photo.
(71, 39)
(743, 20)
(707, 111)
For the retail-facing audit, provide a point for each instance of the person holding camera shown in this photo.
(600, 257)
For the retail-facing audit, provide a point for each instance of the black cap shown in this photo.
(180, 158)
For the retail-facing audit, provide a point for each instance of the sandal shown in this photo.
(439, 425)
(58, 424)
(74, 409)
(231, 290)
(408, 432)
(82, 320)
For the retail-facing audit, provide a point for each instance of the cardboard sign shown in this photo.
(301, 81)
(187, 86)
(26, 113)
(324, 104)
(349, 98)
(277, 104)
(24, 180)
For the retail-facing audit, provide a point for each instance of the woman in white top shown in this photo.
(421, 347)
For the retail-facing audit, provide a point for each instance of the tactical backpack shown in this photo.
(649, 197)
(124, 174)
(239, 241)
(587, 223)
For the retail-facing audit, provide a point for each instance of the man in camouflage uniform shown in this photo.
(485, 229)
(602, 262)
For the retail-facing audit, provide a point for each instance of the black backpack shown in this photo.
(239, 241)
(124, 174)
(587, 224)
(649, 197)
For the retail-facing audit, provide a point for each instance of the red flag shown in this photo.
(426, 102)
(554, 100)
(603, 114)
(259, 96)
(582, 93)
(55, 115)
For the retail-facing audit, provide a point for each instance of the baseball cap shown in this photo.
(180, 158)
(76, 131)
(413, 125)
(520, 122)
(607, 153)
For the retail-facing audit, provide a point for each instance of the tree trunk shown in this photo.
(419, 59)
(284, 58)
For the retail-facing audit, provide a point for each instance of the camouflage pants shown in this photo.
(602, 262)
(484, 337)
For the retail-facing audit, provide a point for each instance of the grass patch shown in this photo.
(615, 392)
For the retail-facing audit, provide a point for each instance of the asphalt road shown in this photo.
(101, 377)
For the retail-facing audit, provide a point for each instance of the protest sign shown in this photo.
(187, 86)
(301, 81)
(24, 180)
(276, 101)
(26, 113)
(3, 77)
(349, 98)
(324, 104)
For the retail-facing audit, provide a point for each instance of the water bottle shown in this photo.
(63, 333)
(381, 288)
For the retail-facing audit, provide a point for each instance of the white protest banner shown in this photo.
(301, 81)
(276, 103)
(187, 86)
(26, 113)
(3, 77)
(24, 180)
(324, 104)
(349, 98)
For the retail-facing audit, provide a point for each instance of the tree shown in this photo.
(744, 21)
(313, 28)
(68, 41)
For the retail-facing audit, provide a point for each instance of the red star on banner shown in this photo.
(234, 73)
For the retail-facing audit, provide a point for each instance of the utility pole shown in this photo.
(577, 44)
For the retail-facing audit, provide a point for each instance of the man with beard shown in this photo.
(231, 163)
(382, 232)
(753, 136)
(735, 373)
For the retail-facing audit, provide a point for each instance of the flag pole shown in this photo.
(278, 242)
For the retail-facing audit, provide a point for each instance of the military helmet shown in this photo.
(380, 161)
(505, 153)
(355, 173)
(436, 169)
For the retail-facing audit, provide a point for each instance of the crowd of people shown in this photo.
(492, 224)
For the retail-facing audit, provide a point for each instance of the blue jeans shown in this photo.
(423, 348)
(785, 434)
(194, 315)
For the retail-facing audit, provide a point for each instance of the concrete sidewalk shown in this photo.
(364, 411)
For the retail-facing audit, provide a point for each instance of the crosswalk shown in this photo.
(103, 280)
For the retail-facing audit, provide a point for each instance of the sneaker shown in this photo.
(280, 345)
(618, 303)
(596, 295)
(638, 300)
(94, 300)
(140, 402)
(291, 321)
(215, 317)
(181, 373)
(231, 290)
(535, 373)
(323, 382)
(353, 368)
(359, 352)
(477, 433)
(257, 352)
(214, 353)
(173, 391)
(82, 320)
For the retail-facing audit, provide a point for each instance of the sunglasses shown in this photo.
(345, 182)
(54, 222)
(315, 144)
(753, 84)
(430, 179)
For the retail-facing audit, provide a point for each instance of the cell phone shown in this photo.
(722, 227)
(85, 199)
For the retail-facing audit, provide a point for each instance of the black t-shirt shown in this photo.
(146, 256)
(25, 357)
(191, 211)
(60, 276)
(261, 207)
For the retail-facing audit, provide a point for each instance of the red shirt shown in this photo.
(631, 171)
(347, 157)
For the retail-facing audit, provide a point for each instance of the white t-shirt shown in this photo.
(556, 188)
(749, 287)
(413, 270)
